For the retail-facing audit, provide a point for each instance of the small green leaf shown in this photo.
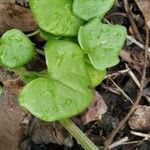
(48, 36)
(28, 76)
(56, 17)
(66, 92)
(97, 76)
(102, 43)
(88, 9)
(15, 49)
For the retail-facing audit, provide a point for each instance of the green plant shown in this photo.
(74, 66)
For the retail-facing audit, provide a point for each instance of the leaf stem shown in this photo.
(82, 139)
(33, 33)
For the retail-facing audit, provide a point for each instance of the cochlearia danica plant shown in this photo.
(79, 49)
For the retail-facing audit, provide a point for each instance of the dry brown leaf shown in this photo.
(46, 132)
(144, 6)
(12, 126)
(15, 121)
(94, 111)
(134, 59)
(14, 16)
(140, 120)
(20, 2)
(7, 1)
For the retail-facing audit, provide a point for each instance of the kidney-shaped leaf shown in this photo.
(65, 92)
(55, 16)
(102, 42)
(88, 9)
(15, 49)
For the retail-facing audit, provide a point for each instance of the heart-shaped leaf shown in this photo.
(65, 92)
(88, 9)
(55, 16)
(102, 42)
(15, 49)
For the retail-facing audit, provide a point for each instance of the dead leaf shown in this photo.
(140, 120)
(14, 16)
(15, 122)
(21, 2)
(12, 126)
(94, 111)
(46, 132)
(7, 1)
(144, 6)
(134, 58)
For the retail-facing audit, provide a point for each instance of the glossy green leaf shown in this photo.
(88, 9)
(97, 76)
(66, 92)
(15, 49)
(102, 43)
(55, 16)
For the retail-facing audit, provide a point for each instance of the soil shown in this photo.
(120, 90)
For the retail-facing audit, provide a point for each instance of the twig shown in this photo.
(120, 142)
(110, 89)
(132, 75)
(147, 136)
(134, 106)
(123, 93)
(131, 142)
(33, 33)
(40, 52)
(135, 29)
(134, 78)
(135, 42)
(117, 73)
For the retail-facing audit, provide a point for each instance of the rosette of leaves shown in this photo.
(59, 95)
(74, 67)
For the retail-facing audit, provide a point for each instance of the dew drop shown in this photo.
(55, 109)
(104, 41)
(67, 6)
(45, 117)
(67, 102)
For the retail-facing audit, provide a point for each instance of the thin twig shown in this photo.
(123, 93)
(33, 33)
(131, 142)
(134, 78)
(136, 81)
(40, 52)
(117, 73)
(120, 142)
(134, 106)
(147, 136)
(132, 21)
(111, 89)
(135, 42)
